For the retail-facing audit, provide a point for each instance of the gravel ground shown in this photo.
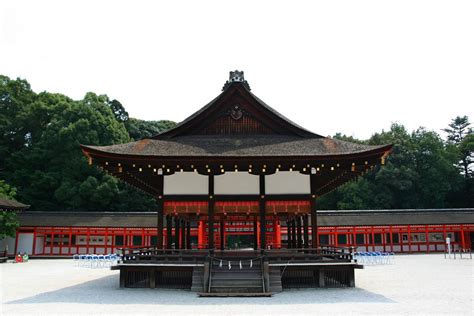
(413, 284)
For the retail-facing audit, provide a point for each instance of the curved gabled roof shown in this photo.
(234, 93)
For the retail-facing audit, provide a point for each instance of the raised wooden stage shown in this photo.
(237, 272)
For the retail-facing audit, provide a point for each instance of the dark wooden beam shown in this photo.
(188, 235)
(314, 214)
(306, 231)
(183, 234)
(177, 232)
(293, 233)
(299, 235)
(160, 214)
(169, 231)
(210, 223)
(255, 234)
(263, 222)
(221, 231)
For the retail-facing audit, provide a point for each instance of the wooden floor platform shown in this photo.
(237, 273)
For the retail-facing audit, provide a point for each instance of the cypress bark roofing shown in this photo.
(283, 138)
(238, 146)
(11, 205)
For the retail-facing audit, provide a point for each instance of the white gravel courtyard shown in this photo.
(414, 284)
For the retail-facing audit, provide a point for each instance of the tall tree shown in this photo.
(42, 154)
(461, 141)
(8, 219)
(139, 129)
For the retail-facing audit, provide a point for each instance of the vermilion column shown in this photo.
(277, 232)
(201, 232)
(258, 235)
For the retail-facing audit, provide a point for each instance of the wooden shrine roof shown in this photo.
(234, 129)
(11, 205)
(236, 124)
(325, 218)
(238, 146)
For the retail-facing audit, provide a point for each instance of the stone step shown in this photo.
(236, 275)
(238, 289)
(235, 294)
(238, 283)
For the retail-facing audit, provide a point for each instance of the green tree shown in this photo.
(139, 129)
(419, 173)
(461, 141)
(42, 154)
(8, 219)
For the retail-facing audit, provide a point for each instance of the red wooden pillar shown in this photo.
(201, 233)
(354, 243)
(258, 235)
(33, 251)
(51, 244)
(373, 238)
(444, 238)
(409, 239)
(255, 233)
(69, 241)
(277, 233)
(87, 239)
(44, 241)
(426, 239)
(113, 242)
(222, 233)
(391, 238)
(463, 240)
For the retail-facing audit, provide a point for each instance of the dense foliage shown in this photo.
(8, 219)
(423, 171)
(40, 153)
(40, 156)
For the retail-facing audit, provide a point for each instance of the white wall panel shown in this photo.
(236, 183)
(25, 243)
(287, 182)
(186, 183)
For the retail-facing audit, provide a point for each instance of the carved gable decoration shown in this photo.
(236, 111)
(235, 119)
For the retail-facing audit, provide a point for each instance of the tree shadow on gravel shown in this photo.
(106, 291)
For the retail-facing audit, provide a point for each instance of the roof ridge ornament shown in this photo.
(236, 76)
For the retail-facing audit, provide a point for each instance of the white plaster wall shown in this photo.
(25, 243)
(8, 242)
(39, 244)
(287, 182)
(186, 183)
(236, 183)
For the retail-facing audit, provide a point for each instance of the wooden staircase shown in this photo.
(248, 281)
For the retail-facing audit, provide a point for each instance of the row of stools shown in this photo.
(182, 233)
(298, 233)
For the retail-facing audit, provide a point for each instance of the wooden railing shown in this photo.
(155, 255)
(309, 254)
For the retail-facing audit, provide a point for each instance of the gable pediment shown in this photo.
(236, 111)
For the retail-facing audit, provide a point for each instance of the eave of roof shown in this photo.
(6, 204)
(238, 146)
